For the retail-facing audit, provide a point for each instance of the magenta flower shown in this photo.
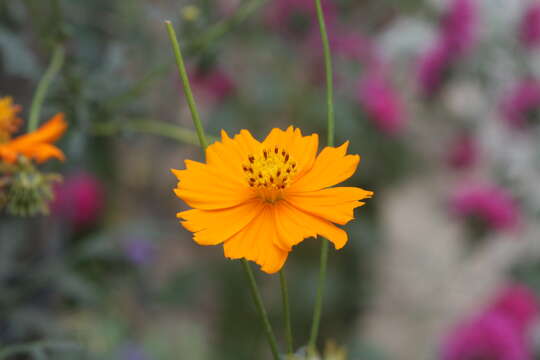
(433, 67)
(457, 35)
(493, 206)
(381, 103)
(520, 304)
(79, 200)
(489, 336)
(500, 332)
(458, 26)
(520, 103)
(212, 85)
(463, 152)
(297, 17)
(529, 27)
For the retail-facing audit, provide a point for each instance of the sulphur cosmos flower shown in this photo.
(9, 121)
(261, 198)
(37, 145)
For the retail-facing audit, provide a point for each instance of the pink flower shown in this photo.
(78, 200)
(433, 67)
(463, 152)
(381, 103)
(520, 102)
(520, 304)
(492, 205)
(529, 27)
(499, 332)
(457, 35)
(297, 17)
(458, 26)
(488, 336)
(213, 84)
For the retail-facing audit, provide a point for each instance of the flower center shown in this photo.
(270, 172)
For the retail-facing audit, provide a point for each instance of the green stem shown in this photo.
(260, 308)
(54, 67)
(34, 347)
(330, 142)
(160, 128)
(185, 82)
(202, 140)
(286, 312)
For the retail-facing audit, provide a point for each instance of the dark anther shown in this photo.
(271, 179)
(276, 150)
(251, 159)
(278, 173)
(283, 153)
(260, 175)
(286, 157)
(265, 154)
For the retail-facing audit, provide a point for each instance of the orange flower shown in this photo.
(36, 145)
(261, 199)
(9, 122)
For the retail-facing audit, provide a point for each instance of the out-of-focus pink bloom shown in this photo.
(458, 26)
(381, 103)
(519, 104)
(433, 67)
(457, 35)
(79, 200)
(213, 85)
(297, 17)
(529, 27)
(463, 152)
(499, 332)
(520, 304)
(489, 336)
(491, 204)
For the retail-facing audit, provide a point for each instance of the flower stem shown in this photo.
(330, 142)
(260, 308)
(149, 126)
(286, 312)
(185, 82)
(54, 67)
(202, 140)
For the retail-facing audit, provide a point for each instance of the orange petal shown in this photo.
(203, 186)
(49, 132)
(43, 152)
(334, 204)
(303, 149)
(294, 225)
(257, 242)
(331, 167)
(212, 227)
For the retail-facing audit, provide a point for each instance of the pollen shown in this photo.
(273, 169)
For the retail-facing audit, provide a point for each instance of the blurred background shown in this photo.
(441, 98)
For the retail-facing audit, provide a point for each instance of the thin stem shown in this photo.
(187, 86)
(312, 345)
(286, 312)
(149, 126)
(330, 142)
(202, 140)
(329, 74)
(38, 346)
(260, 308)
(54, 67)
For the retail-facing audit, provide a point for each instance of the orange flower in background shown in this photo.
(9, 121)
(261, 199)
(37, 145)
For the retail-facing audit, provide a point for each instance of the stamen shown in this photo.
(270, 172)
